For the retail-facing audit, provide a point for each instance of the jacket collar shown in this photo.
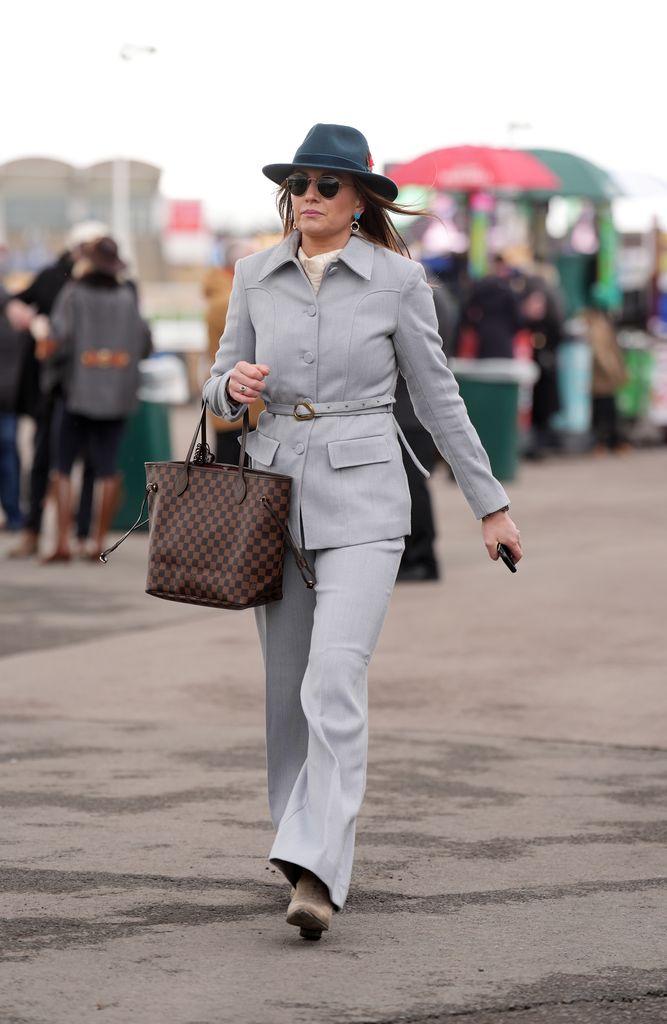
(357, 255)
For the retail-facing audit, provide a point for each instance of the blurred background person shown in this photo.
(490, 318)
(41, 295)
(419, 562)
(217, 288)
(609, 374)
(17, 393)
(99, 339)
(542, 311)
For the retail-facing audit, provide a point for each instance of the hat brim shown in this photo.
(384, 187)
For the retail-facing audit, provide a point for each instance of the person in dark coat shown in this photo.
(419, 562)
(41, 295)
(492, 313)
(15, 399)
(542, 312)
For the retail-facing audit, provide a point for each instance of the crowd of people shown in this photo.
(70, 347)
(512, 311)
(507, 314)
(71, 341)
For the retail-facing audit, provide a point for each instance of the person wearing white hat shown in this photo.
(83, 233)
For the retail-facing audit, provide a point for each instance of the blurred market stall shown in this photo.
(477, 172)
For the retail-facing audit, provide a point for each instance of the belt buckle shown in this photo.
(310, 415)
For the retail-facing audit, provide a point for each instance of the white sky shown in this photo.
(235, 85)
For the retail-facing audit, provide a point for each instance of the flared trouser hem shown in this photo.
(317, 646)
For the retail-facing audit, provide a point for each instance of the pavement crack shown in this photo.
(514, 1012)
(139, 804)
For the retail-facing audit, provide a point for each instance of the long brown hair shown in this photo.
(374, 221)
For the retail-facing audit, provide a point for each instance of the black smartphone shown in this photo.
(507, 557)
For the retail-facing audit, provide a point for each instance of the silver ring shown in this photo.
(242, 389)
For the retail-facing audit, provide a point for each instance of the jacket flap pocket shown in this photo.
(261, 448)
(359, 451)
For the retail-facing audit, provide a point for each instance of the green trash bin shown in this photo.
(146, 439)
(634, 398)
(162, 383)
(490, 390)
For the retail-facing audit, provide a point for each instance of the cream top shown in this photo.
(316, 265)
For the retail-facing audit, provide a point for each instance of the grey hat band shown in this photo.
(320, 159)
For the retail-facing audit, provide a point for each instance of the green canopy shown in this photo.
(578, 177)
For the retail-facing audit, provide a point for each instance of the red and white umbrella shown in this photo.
(475, 169)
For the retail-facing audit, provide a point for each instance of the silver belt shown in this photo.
(307, 410)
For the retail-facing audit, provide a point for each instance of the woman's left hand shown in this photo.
(500, 529)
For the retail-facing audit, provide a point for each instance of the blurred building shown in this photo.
(41, 198)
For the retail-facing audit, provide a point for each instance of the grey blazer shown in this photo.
(89, 318)
(373, 316)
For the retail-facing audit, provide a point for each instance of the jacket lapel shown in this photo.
(284, 252)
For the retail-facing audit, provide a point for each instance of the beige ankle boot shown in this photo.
(310, 908)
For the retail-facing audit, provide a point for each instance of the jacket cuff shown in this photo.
(219, 401)
(500, 506)
(488, 515)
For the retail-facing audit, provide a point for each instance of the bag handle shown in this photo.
(307, 574)
(202, 454)
(241, 487)
(138, 523)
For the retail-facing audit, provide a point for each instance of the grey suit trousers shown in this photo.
(317, 646)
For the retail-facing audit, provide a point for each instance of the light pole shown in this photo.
(121, 213)
(514, 128)
(120, 208)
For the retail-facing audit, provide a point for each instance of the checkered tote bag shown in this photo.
(217, 533)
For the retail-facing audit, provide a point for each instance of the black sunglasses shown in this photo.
(327, 185)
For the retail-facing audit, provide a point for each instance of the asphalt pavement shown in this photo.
(511, 856)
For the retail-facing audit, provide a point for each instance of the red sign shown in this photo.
(185, 215)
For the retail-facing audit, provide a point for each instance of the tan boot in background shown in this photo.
(27, 546)
(310, 908)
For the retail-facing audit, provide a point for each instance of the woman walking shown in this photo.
(320, 326)
(100, 338)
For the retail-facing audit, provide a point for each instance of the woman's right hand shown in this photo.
(246, 382)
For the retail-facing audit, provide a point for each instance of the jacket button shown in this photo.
(308, 357)
(299, 448)
(311, 310)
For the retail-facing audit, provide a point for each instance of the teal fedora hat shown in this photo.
(335, 147)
